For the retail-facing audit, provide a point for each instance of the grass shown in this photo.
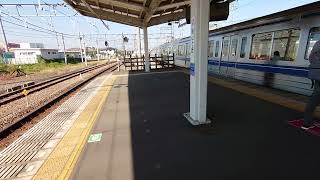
(45, 66)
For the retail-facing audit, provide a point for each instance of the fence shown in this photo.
(32, 60)
(156, 62)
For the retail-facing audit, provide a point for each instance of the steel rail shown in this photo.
(11, 96)
(35, 112)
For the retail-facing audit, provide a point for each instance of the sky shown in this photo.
(21, 29)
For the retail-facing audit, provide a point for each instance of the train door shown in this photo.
(232, 55)
(224, 57)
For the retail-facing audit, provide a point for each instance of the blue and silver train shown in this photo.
(272, 50)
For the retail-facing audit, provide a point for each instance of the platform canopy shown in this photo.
(138, 13)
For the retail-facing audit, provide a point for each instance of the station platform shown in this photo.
(132, 128)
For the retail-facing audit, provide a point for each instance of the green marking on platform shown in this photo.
(95, 137)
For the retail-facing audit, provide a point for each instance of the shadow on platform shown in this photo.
(249, 138)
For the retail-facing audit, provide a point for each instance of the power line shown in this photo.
(51, 6)
(244, 5)
(27, 27)
(58, 10)
(36, 25)
(23, 33)
(36, 6)
(14, 34)
(8, 26)
(31, 4)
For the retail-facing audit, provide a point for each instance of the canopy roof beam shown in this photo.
(152, 9)
(112, 16)
(132, 12)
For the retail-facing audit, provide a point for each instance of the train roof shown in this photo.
(287, 15)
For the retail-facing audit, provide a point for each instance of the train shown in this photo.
(272, 50)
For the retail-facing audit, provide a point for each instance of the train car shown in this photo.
(272, 50)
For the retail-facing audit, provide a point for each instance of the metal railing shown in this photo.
(156, 62)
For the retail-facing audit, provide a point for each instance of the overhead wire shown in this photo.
(6, 16)
(36, 25)
(21, 35)
(26, 27)
(13, 29)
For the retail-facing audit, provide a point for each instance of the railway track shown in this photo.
(8, 126)
(11, 96)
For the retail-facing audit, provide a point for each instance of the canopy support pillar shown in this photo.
(199, 62)
(146, 49)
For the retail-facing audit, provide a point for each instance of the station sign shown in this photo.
(192, 69)
(193, 36)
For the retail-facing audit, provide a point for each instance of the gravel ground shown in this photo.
(20, 131)
(13, 110)
(6, 81)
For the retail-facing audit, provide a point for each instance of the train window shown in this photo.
(216, 53)
(234, 45)
(285, 44)
(225, 48)
(314, 36)
(181, 50)
(261, 46)
(188, 50)
(243, 47)
(210, 48)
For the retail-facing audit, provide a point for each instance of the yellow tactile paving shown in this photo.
(259, 93)
(62, 160)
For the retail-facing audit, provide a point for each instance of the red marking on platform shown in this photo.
(299, 122)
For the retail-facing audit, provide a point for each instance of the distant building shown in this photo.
(30, 55)
(10, 46)
(71, 54)
(31, 45)
(13, 45)
(108, 52)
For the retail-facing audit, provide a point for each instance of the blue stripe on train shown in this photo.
(290, 70)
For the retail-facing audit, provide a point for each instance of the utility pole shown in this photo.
(139, 39)
(85, 52)
(135, 43)
(4, 36)
(64, 51)
(172, 37)
(123, 47)
(98, 55)
(80, 38)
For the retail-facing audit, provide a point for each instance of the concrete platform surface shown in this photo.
(145, 136)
